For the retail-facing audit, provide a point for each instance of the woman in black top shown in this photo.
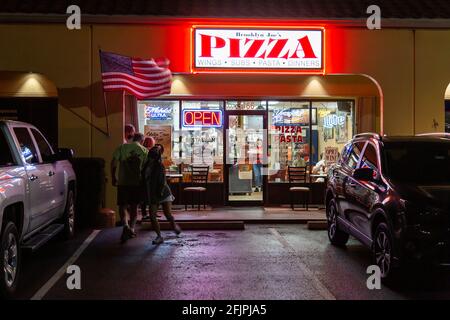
(158, 191)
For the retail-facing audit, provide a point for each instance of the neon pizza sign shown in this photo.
(253, 49)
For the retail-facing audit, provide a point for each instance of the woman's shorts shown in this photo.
(170, 198)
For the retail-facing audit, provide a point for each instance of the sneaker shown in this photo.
(177, 230)
(133, 233)
(126, 235)
(148, 219)
(158, 240)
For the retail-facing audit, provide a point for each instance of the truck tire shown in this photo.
(9, 260)
(68, 218)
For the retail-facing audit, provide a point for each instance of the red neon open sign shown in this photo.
(202, 118)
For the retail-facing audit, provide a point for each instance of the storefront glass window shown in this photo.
(289, 137)
(160, 119)
(332, 132)
(300, 133)
(202, 136)
(298, 138)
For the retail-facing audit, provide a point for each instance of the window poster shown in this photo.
(293, 116)
(342, 135)
(162, 135)
(331, 155)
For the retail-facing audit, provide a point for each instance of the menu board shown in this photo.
(162, 135)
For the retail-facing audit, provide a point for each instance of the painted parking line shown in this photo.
(55, 278)
(318, 285)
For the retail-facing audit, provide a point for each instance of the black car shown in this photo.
(392, 194)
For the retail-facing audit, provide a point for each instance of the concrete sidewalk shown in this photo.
(251, 215)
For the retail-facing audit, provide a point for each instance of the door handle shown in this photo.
(33, 177)
(51, 173)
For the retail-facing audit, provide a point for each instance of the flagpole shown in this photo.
(106, 114)
(123, 108)
(105, 104)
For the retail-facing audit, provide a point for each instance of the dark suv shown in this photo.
(392, 194)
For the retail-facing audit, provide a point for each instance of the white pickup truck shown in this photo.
(37, 196)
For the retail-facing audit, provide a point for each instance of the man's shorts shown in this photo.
(129, 195)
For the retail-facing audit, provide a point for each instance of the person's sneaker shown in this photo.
(133, 233)
(148, 219)
(126, 234)
(158, 240)
(177, 230)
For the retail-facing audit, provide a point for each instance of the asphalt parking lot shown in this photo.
(261, 262)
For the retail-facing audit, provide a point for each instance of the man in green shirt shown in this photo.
(130, 158)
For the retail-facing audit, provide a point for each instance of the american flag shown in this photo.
(139, 77)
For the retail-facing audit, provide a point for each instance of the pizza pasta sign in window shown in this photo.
(289, 133)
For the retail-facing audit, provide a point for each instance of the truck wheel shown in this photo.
(9, 260)
(69, 216)
(337, 237)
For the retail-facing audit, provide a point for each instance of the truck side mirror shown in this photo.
(65, 154)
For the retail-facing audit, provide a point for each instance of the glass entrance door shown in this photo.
(246, 151)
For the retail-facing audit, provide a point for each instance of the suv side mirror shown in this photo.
(50, 158)
(65, 154)
(363, 174)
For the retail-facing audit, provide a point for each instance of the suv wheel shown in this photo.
(9, 260)
(336, 236)
(383, 251)
(69, 216)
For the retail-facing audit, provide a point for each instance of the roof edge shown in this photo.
(138, 19)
